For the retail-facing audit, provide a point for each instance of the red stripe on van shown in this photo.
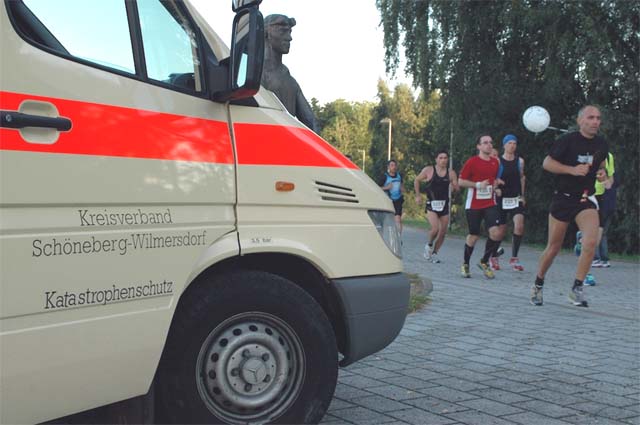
(264, 144)
(107, 130)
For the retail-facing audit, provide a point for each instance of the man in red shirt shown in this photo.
(479, 176)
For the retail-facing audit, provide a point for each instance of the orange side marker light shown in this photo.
(285, 186)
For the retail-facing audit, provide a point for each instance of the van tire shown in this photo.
(248, 346)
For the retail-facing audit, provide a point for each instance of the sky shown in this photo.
(337, 48)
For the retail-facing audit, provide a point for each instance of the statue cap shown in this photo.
(278, 19)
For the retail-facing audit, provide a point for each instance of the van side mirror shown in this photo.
(237, 5)
(247, 56)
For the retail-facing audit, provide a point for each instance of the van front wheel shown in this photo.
(248, 347)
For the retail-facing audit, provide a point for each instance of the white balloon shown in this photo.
(536, 119)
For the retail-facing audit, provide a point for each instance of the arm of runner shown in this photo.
(496, 186)
(424, 175)
(556, 167)
(453, 177)
(468, 183)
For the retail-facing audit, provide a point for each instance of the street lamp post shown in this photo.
(364, 159)
(388, 121)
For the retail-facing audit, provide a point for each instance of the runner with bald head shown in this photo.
(574, 159)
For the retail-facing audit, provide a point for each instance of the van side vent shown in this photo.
(335, 193)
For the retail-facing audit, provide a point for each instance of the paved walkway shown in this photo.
(479, 353)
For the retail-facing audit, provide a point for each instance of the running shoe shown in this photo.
(434, 258)
(605, 264)
(495, 264)
(596, 263)
(488, 273)
(589, 280)
(515, 264)
(576, 296)
(427, 252)
(536, 295)
(465, 270)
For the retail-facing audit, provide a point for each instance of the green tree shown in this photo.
(346, 126)
(410, 117)
(490, 60)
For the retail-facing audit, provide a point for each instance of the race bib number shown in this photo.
(509, 203)
(486, 193)
(437, 205)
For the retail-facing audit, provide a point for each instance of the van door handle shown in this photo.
(13, 119)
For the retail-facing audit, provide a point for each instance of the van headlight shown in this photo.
(386, 225)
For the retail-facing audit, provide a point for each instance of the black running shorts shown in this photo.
(565, 207)
(445, 210)
(474, 218)
(397, 205)
(506, 215)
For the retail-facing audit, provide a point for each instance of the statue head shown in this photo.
(277, 30)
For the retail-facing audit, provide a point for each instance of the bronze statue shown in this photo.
(276, 76)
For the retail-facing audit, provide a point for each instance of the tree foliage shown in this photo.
(354, 127)
(346, 126)
(410, 119)
(490, 60)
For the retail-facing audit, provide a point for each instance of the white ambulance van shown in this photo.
(170, 237)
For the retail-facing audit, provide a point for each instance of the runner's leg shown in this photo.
(474, 219)
(444, 225)
(587, 221)
(492, 223)
(493, 242)
(557, 230)
(434, 224)
(518, 231)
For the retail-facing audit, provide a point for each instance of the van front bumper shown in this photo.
(374, 309)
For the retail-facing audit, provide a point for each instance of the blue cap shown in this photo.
(509, 138)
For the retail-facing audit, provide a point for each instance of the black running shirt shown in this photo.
(511, 176)
(573, 149)
(438, 187)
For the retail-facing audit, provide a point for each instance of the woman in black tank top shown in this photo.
(438, 179)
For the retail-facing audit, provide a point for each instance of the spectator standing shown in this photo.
(606, 196)
(391, 182)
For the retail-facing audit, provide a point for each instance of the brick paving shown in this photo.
(479, 353)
